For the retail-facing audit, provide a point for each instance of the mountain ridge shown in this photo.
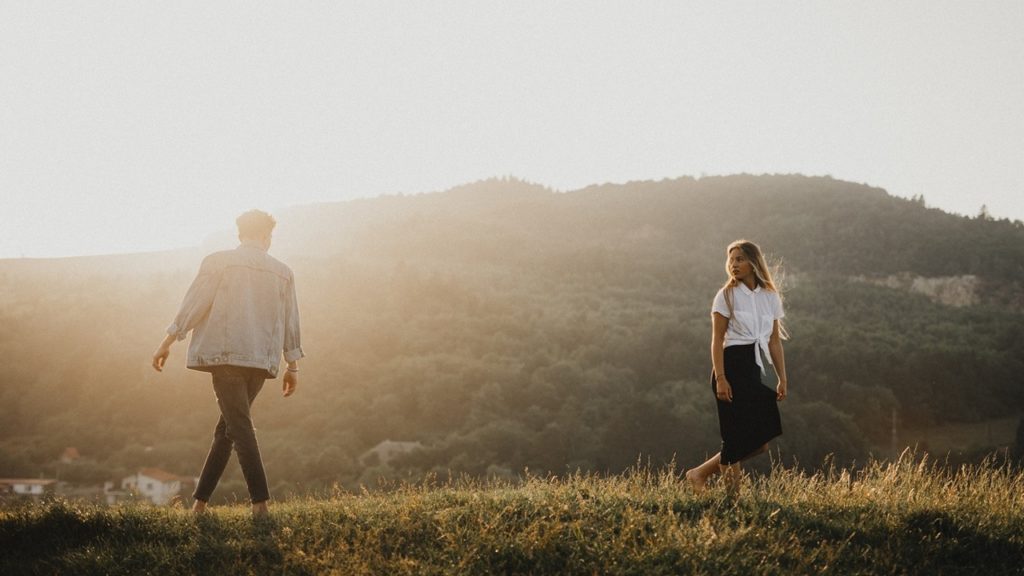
(509, 326)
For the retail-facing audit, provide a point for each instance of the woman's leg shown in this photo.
(761, 450)
(733, 474)
(698, 476)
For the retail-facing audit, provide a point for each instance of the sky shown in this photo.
(137, 126)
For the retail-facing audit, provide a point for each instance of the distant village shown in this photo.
(153, 485)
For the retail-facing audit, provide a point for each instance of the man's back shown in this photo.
(242, 310)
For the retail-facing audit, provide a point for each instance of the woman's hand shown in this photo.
(780, 390)
(723, 391)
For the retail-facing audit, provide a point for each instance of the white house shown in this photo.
(386, 451)
(158, 486)
(27, 486)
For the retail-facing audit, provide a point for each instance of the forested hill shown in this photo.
(501, 325)
(819, 225)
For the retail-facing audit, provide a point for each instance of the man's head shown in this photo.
(256, 226)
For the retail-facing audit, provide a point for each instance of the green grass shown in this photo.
(909, 517)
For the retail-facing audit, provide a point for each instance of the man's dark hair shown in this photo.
(255, 224)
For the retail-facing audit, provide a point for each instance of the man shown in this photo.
(243, 313)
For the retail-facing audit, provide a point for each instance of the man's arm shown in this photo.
(162, 352)
(292, 341)
(194, 307)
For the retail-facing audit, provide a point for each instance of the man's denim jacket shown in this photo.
(242, 311)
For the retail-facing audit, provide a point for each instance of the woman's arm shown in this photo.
(778, 360)
(719, 324)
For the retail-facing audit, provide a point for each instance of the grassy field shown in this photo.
(909, 517)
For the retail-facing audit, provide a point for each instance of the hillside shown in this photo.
(505, 326)
(908, 517)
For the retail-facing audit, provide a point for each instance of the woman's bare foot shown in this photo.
(697, 482)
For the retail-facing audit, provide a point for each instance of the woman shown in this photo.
(746, 323)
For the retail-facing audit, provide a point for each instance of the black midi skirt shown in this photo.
(752, 418)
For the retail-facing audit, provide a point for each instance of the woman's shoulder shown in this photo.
(720, 295)
(719, 303)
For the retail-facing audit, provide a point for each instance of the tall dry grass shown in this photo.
(912, 516)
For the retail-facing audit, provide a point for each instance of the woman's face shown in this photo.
(739, 266)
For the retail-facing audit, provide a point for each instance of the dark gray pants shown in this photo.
(236, 388)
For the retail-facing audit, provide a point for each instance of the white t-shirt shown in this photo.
(755, 312)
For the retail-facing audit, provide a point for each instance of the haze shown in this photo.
(130, 126)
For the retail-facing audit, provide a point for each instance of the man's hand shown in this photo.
(291, 380)
(161, 354)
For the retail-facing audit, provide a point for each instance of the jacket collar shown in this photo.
(250, 245)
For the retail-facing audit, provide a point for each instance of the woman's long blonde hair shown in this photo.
(762, 274)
